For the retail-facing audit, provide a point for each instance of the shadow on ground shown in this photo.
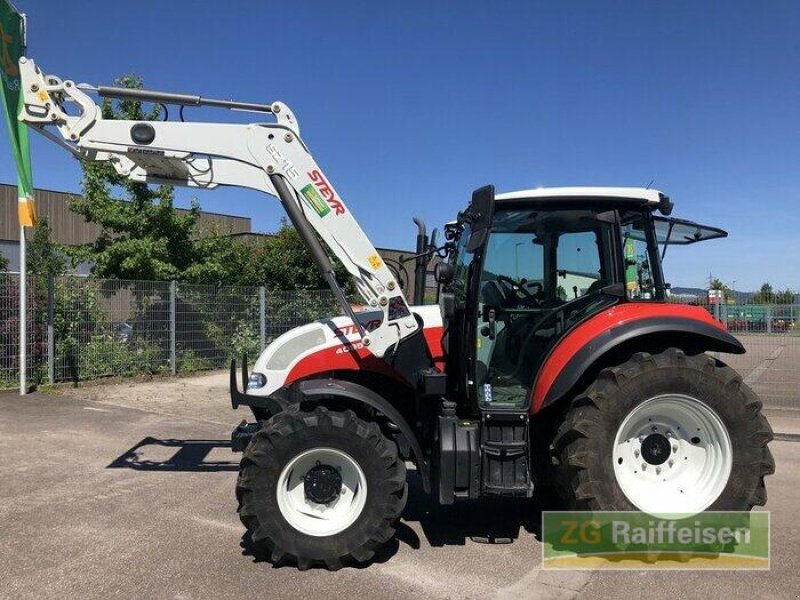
(188, 455)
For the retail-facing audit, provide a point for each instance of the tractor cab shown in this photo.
(527, 267)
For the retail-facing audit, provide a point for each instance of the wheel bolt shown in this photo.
(671, 462)
(658, 470)
(675, 448)
(644, 466)
(636, 453)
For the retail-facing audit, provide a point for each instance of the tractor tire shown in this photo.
(320, 488)
(664, 433)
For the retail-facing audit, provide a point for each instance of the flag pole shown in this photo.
(23, 315)
(23, 276)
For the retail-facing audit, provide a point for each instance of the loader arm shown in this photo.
(269, 157)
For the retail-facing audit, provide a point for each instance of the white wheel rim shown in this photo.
(699, 462)
(312, 518)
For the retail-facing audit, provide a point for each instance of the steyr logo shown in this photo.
(327, 192)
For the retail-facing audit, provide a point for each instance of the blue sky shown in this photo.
(408, 106)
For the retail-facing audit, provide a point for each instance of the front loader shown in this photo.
(553, 356)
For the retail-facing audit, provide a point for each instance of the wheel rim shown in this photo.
(672, 454)
(346, 500)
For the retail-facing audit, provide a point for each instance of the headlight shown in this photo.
(256, 381)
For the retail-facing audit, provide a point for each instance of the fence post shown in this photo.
(262, 312)
(173, 358)
(768, 318)
(51, 331)
(716, 311)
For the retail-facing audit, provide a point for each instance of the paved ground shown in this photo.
(771, 367)
(104, 500)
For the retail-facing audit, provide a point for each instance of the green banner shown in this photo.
(637, 540)
(12, 35)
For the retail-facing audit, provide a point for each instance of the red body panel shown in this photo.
(359, 358)
(433, 338)
(601, 322)
(339, 358)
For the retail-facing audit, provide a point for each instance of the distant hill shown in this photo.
(689, 291)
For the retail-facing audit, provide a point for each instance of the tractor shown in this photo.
(553, 358)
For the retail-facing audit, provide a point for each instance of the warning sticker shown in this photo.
(375, 262)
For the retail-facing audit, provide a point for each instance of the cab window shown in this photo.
(640, 258)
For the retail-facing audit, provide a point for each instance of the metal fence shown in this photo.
(9, 330)
(771, 335)
(83, 328)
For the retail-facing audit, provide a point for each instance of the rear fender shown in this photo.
(585, 350)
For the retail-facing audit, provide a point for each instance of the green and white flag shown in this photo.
(12, 37)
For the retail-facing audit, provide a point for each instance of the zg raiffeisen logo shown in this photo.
(636, 540)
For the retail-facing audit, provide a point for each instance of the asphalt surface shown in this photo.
(99, 500)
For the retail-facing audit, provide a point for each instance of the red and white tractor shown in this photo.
(552, 357)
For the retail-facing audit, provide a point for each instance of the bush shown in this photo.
(105, 356)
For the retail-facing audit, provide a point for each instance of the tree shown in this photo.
(280, 261)
(142, 237)
(765, 295)
(45, 258)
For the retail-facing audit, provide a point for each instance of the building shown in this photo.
(70, 228)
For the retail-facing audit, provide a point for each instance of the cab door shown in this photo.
(541, 273)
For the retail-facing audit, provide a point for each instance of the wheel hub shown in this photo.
(672, 454)
(322, 484)
(321, 491)
(656, 449)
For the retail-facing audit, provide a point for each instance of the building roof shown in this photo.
(72, 229)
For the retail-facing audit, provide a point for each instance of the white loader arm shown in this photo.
(269, 157)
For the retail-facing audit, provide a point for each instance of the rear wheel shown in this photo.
(665, 433)
(320, 487)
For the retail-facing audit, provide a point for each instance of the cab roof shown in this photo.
(648, 195)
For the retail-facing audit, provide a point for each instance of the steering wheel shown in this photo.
(519, 291)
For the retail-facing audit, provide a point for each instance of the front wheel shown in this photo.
(320, 487)
(665, 433)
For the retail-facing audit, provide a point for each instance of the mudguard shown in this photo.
(592, 339)
(319, 388)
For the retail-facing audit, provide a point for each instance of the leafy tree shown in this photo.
(280, 261)
(45, 257)
(765, 295)
(143, 237)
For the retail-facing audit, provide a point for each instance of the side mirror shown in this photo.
(481, 210)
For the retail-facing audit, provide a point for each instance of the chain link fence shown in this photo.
(9, 331)
(83, 328)
(770, 332)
